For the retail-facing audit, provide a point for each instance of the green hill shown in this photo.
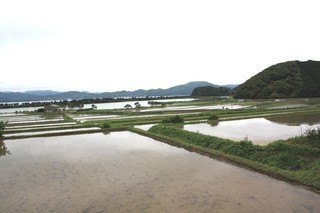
(210, 91)
(292, 79)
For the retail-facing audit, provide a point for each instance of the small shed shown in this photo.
(53, 108)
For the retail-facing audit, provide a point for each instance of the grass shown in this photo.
(283, 159)
(67, 117)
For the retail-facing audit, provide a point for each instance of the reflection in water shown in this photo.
(258, 130)
(296, 120)
(105, 132)
(3, 149)
(126, 172)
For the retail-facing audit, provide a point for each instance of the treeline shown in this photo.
(293, 79)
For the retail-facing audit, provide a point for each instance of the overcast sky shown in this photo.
(131, 44)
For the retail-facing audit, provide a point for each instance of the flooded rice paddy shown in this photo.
(126, 172)
(259, 130)
(296, 120)
(20, 109)
(120, 105)
(110, 105)
(186, 108)
(84, 118)
(50, 131)
(40, 126)
(22, 119)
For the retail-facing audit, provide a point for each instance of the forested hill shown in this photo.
(211, 91)
(292, 79)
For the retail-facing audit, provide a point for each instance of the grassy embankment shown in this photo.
(292, 160)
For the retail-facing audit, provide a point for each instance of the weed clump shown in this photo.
(105, 125)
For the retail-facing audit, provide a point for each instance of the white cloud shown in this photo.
(114, 45)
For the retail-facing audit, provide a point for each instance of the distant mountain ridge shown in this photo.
(41, 92)
(38, 95)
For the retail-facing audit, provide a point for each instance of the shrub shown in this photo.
(213, 117)
(310, 137)
(2, 127)
(313, 133)
(213, 120)
(173, 119)
(38, 110)
(105, 125)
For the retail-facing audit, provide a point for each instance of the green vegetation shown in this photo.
(173, 119)
(210, 91)
(3, 149)
(311, 138)
(293, 79)
(213, 117)
(105, 125)
(67, 118)
(213, 120)
(2, 127)
(294, 162)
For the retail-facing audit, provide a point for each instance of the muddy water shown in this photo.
(125, 172)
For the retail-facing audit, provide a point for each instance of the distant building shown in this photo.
(53, 108)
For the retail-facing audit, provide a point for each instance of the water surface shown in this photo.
(44, 132)
(184, 108)
(120, 105)
(258, 130)
(125, 172)
(296, 120)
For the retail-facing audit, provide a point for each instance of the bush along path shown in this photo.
(283, 159)
(3, 149)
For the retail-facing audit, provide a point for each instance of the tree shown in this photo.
(137, 104)
(128, 106)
